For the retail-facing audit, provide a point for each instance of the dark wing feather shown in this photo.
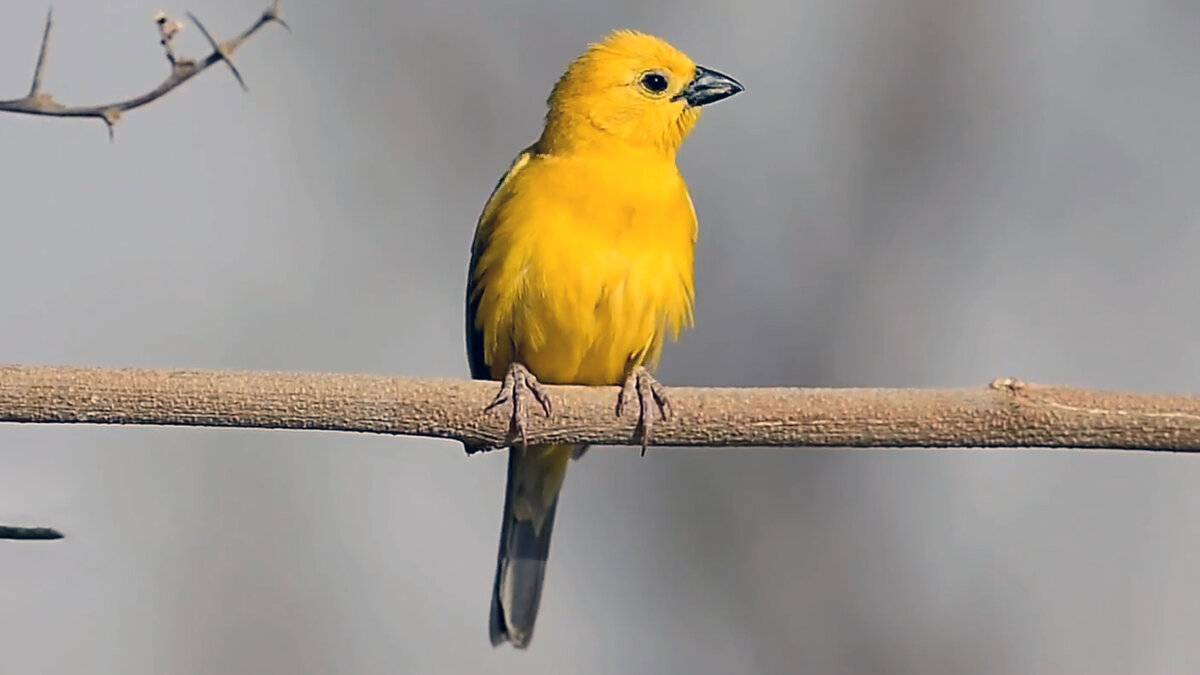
(475, 356)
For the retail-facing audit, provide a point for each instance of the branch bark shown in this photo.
(38, 102)
(1006, 413)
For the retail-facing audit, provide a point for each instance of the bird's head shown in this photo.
(632, 88)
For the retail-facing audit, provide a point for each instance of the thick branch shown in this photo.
(38, 102)
(1006, 413)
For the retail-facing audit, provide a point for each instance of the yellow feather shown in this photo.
(582, 266)
(588, 265)
(586, 248)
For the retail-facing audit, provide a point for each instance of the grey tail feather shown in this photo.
(520, 565)
(520, 569)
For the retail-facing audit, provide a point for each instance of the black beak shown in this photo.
(708, 86)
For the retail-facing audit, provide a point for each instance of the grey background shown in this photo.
(910, 192)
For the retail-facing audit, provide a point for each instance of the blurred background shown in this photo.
(909, 193)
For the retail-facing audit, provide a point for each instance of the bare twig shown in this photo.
(40, 68)
(1007, 413)
(38, 102)
(29, 533)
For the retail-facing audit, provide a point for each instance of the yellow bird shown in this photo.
(581, 266)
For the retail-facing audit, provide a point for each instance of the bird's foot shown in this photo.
(519, 386)
(650, 394)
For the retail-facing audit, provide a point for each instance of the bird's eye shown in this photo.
(654, 82)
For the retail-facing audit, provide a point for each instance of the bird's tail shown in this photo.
(535, 477)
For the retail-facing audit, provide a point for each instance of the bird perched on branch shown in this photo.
(580, 268)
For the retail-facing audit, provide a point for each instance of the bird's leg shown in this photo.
(650, 393)
(518, 385)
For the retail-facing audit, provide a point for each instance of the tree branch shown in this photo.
(1007, 413)
(38, 102)
(29, 533)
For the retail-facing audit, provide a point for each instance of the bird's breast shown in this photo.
(608, 277)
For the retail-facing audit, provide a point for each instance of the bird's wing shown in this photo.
(480, 369)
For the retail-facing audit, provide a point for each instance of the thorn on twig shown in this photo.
(272, 14)
(111, 117)
(29, 533)
(40, 68)
(220, 50)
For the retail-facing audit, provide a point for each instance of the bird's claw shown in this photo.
(518, 385)
(650, 394)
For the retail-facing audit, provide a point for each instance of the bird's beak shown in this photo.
(708, 86)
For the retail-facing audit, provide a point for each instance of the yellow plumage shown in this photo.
(589, 266)
(582, 264)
